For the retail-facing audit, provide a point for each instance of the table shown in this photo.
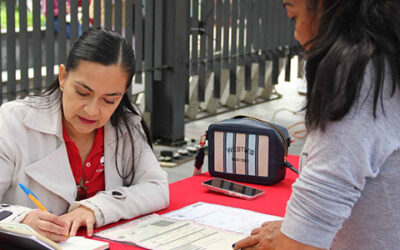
(190, 190)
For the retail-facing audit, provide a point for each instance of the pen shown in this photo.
(33, 197)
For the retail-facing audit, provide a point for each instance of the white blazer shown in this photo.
(33, 152)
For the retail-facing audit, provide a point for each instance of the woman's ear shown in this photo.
(62, 76)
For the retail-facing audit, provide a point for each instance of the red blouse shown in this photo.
(93, 168)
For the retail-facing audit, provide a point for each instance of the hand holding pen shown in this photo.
(47, 224)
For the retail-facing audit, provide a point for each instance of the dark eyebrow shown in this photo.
(286, 4)
(91, 90)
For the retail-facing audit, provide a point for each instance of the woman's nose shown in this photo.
(91, 108)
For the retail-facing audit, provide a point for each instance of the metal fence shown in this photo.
(30, 54)
(237, 47)
(236, 51)
(198, 54)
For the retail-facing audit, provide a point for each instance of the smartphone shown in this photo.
(233, 189)
(4, 214)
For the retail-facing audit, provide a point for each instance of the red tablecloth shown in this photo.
(190, 190)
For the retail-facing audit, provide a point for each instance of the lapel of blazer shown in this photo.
(57, 163)
(53, 171)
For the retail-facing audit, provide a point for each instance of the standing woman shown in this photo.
(347, 196)
(81, 146)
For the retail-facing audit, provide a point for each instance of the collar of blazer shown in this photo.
(49, 121)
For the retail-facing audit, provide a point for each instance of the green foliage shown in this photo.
(3, 17)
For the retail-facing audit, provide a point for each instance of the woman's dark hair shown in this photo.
(107, 48)
(351, 34)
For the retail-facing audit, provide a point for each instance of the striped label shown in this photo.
(238, 153)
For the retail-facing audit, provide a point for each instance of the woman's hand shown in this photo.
(81, 216)
(49, 225)
(264, 237)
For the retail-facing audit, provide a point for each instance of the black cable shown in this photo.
(290, 166)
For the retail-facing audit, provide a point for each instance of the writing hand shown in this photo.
(261, 238)
(81, 216)
(49, 225)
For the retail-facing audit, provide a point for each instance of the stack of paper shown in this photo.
(200, 226)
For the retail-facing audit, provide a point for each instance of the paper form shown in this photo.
(157, 232)
(224, 217)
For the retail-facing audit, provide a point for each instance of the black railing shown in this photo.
(214, 46)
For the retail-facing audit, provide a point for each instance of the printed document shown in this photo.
(224, 217)
(200, 226)
(157, 232)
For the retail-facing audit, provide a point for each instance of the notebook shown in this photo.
(23, 236)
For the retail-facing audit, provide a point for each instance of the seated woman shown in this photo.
(81, 146)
